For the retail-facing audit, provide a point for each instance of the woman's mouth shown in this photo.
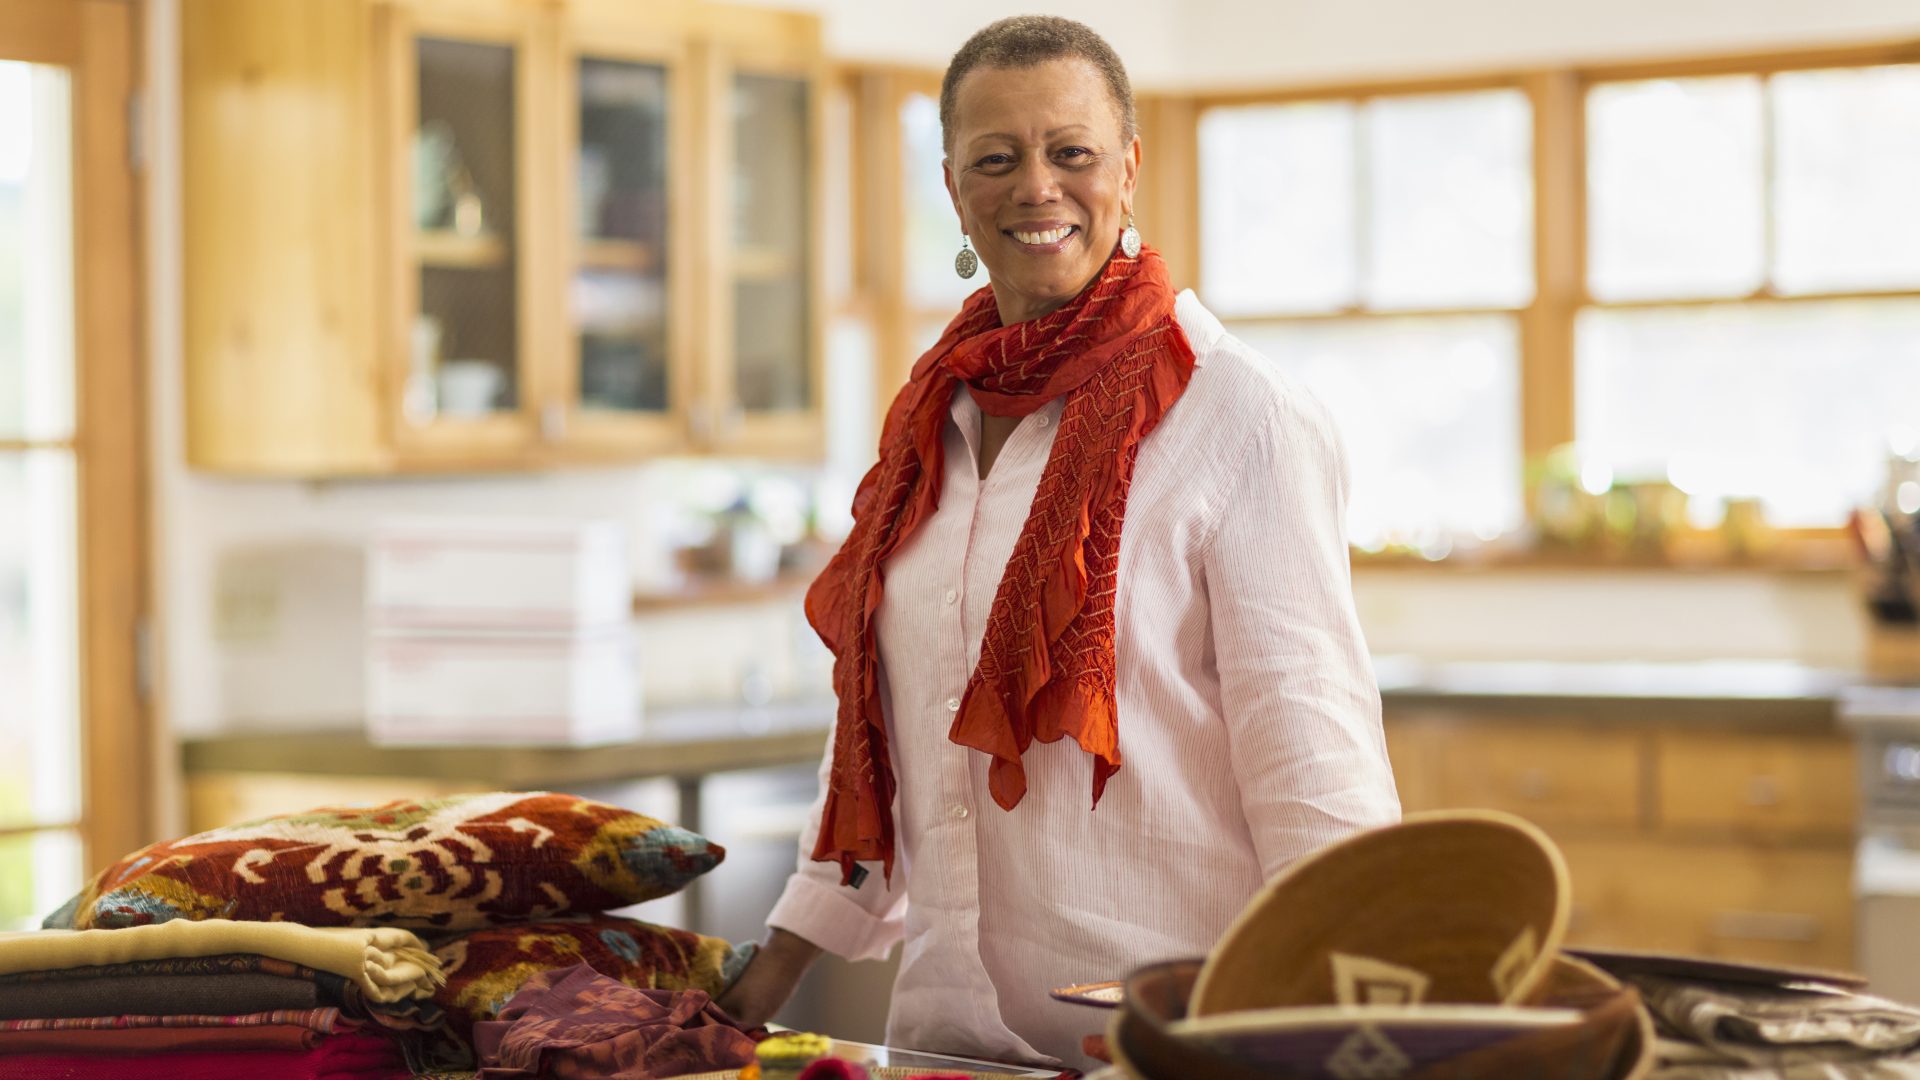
(1042, 240)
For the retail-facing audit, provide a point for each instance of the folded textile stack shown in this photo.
(207, 1000)
(356, 939)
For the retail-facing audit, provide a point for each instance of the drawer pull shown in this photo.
(1763, 791)
(1534, 784)
(1765, 926)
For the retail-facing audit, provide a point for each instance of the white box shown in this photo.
(468, 574)
(509, 689)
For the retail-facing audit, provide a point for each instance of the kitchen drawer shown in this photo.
(1786, 905)
(1551, 776)
(1756, 784)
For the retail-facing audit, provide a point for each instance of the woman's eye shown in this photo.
(1075, 152)
(994, 159)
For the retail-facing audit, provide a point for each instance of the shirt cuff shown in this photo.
(828, 916)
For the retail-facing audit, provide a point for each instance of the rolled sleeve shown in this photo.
(1297, 688)
(858, 924)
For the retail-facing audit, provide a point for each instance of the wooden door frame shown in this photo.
(98, 41)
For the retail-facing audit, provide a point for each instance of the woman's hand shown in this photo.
(769, 980)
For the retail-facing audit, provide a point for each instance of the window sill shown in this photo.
(1822, 553)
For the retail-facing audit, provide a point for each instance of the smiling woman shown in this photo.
(1098, 668)
(1041, 164)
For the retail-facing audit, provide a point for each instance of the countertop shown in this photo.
(688, 742)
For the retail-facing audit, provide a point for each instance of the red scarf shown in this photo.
(1046, 661)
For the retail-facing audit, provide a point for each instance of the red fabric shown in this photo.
(577, 1024)
(354, 1056)
(1046, 663)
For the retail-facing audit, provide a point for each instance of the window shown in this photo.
(1379, 249)
(1754, 267)
(40, 774)
(70, 489)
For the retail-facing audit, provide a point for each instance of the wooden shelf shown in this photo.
(449, 250)
(597, 253)
(764, 264)
(705, 592)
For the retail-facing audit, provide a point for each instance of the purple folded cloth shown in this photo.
(577, 1024)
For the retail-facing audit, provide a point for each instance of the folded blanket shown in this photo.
(325, 1021)
(141, 1041)
(387, 963)
(351, 1056)
(1805, 1031)
(113, 996)
(578, 1022)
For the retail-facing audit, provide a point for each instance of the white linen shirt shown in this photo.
(1249, 721)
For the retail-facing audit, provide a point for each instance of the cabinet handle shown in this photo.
(1534, 784)
(1765, 926)
(1763, 791)
(553, 422)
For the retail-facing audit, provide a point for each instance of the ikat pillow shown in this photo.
(452, 863)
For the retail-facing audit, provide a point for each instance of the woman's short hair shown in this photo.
(1027, 41)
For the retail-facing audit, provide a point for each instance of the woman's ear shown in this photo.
(953, 192)
(1132, 162)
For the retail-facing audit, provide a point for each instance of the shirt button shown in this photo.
(953, 704)
(1044, 421)
(959, 811)
(952, 595)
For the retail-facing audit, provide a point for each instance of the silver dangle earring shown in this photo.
(1130, 238)
(966, 264)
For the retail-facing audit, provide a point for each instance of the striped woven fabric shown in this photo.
(325, 1021)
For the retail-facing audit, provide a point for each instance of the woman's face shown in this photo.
(1041, 179)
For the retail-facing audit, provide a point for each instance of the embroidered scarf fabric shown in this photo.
(1046, 667)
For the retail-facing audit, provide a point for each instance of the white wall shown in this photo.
(287, 552)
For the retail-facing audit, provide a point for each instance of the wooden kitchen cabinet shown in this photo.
(445, 235)
(1713, 841)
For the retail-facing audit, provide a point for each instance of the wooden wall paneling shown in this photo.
(42, 31)
(1168, 210)
(118, 778)
(283, 361)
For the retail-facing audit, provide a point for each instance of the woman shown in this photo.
(1098, 666)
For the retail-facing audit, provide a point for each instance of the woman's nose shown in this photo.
(1035, 182)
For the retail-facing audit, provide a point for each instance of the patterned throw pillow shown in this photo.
(454, 863)
(485, 968)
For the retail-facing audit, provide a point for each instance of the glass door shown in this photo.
(769, 399)
(467, 178)
(624, 380)
(70, 490)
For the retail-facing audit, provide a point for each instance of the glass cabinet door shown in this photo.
(618, 292)
(464, 337)
(772, 197)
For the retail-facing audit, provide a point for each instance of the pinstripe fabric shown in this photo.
(1250, 720)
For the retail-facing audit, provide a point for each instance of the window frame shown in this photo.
(98, 42)
(1168, 210)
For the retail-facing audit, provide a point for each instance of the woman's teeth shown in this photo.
(1051, 236)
